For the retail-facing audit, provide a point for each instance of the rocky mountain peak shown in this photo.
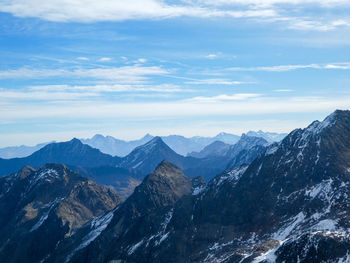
(25, 172)
(75, 141)
(164, 186)
(168, 169)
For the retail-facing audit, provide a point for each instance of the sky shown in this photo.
(189, 67)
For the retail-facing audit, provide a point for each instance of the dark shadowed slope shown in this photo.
(71, 153)
(41, 208)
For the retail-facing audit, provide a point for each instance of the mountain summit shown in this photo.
(72, 153)
(147, 156)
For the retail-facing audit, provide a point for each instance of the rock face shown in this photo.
(40, 208)
(246, 150)
(143, 217)
(289, 205)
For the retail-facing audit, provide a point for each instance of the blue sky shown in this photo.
(76, 68)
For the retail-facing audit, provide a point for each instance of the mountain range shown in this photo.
(124, 173)
(279, 202)
(116, 147)
(289, 205)
(20, 151)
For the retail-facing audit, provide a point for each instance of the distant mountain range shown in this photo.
(116, 147)
(20, 151)
(113, 146)
(124, 173)
(279, 202)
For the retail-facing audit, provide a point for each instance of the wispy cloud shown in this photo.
(322, 3)
(228, 105)
(105, 10)
(132, 74)
(281, 68)
(211, 56)
(216, 82)
(160, 88)
(83, 58)
(52, 93)
(44, 95)
(283, 90)
(224, 97)
(105, 59)
(287, 13)
(141, 60)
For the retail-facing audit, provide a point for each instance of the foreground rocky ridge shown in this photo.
(40, 208)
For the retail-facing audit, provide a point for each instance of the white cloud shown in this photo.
(83, 58)
(308, 24)
(105, 59)
(224, 97)
(233, 105)
(162, 88)
(281, 68)
(211, 56)
(287, 13)
(283, 90)
(141, 60)
(216, 82)
(267, 3)
(53, 93)
(44, 95)
(106, 10)
(130, 74)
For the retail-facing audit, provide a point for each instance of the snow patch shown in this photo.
(135, 247)
(272, 150)
(97, 225)
(269, 256)
(46, 175)
(345, 259)
(284, 233)
(316, 127)
(137, 165)
(327, 224)
(324, 188)
(197, 190)
(161, 235)
(233, 175)
(165, 236)
(46, 214)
